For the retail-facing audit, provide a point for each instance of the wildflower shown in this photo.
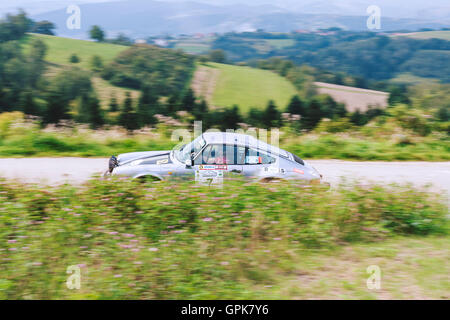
(238, 221)
(113, 233)
(12, 241)
(224, 263)
(128, 235)
(207, 219)
(153, 249)
(117, 276)
(277, 239)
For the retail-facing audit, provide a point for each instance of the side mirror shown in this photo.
(188, 163)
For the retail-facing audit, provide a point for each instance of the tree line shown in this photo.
(360, 54)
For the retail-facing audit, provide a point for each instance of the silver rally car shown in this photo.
(215, 153)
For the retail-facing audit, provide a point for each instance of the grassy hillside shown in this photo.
(224, 85)
(60, 50)
(445, 35)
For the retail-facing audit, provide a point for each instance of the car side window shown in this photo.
(222, 154)
(253, 156)
(240, 155)
(214, 154)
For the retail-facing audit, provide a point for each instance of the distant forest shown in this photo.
(363, 54)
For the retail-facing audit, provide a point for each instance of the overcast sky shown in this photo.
(395, 8)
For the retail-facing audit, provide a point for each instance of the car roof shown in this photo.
(242, 140)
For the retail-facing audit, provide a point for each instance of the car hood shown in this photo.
(127, 157)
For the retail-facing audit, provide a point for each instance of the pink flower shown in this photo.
(113, 232)
(117, 276)
(276, 239)
(224, 263)
(12, 241)
(128, 235)
(207, 219)
(153, 249)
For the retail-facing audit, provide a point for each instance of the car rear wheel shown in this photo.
(271, 180)
(146, 179)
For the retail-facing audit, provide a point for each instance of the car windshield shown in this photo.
(189, 150)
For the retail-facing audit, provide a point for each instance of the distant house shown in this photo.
(302, 31)
(140, 41)
(199, 35)
(161, 42)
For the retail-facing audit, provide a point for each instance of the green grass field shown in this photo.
(248, 87)
(445, 35)
(193, 47)
(60, 49)
(280, 43)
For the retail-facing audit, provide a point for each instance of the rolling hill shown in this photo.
(443, 34)
(60, 49)
(223, 85)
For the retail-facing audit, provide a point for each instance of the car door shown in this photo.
(257, 162)
(218, 160)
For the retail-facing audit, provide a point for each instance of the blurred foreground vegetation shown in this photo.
(242, 241)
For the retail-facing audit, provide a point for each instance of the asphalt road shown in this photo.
(76, 170)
